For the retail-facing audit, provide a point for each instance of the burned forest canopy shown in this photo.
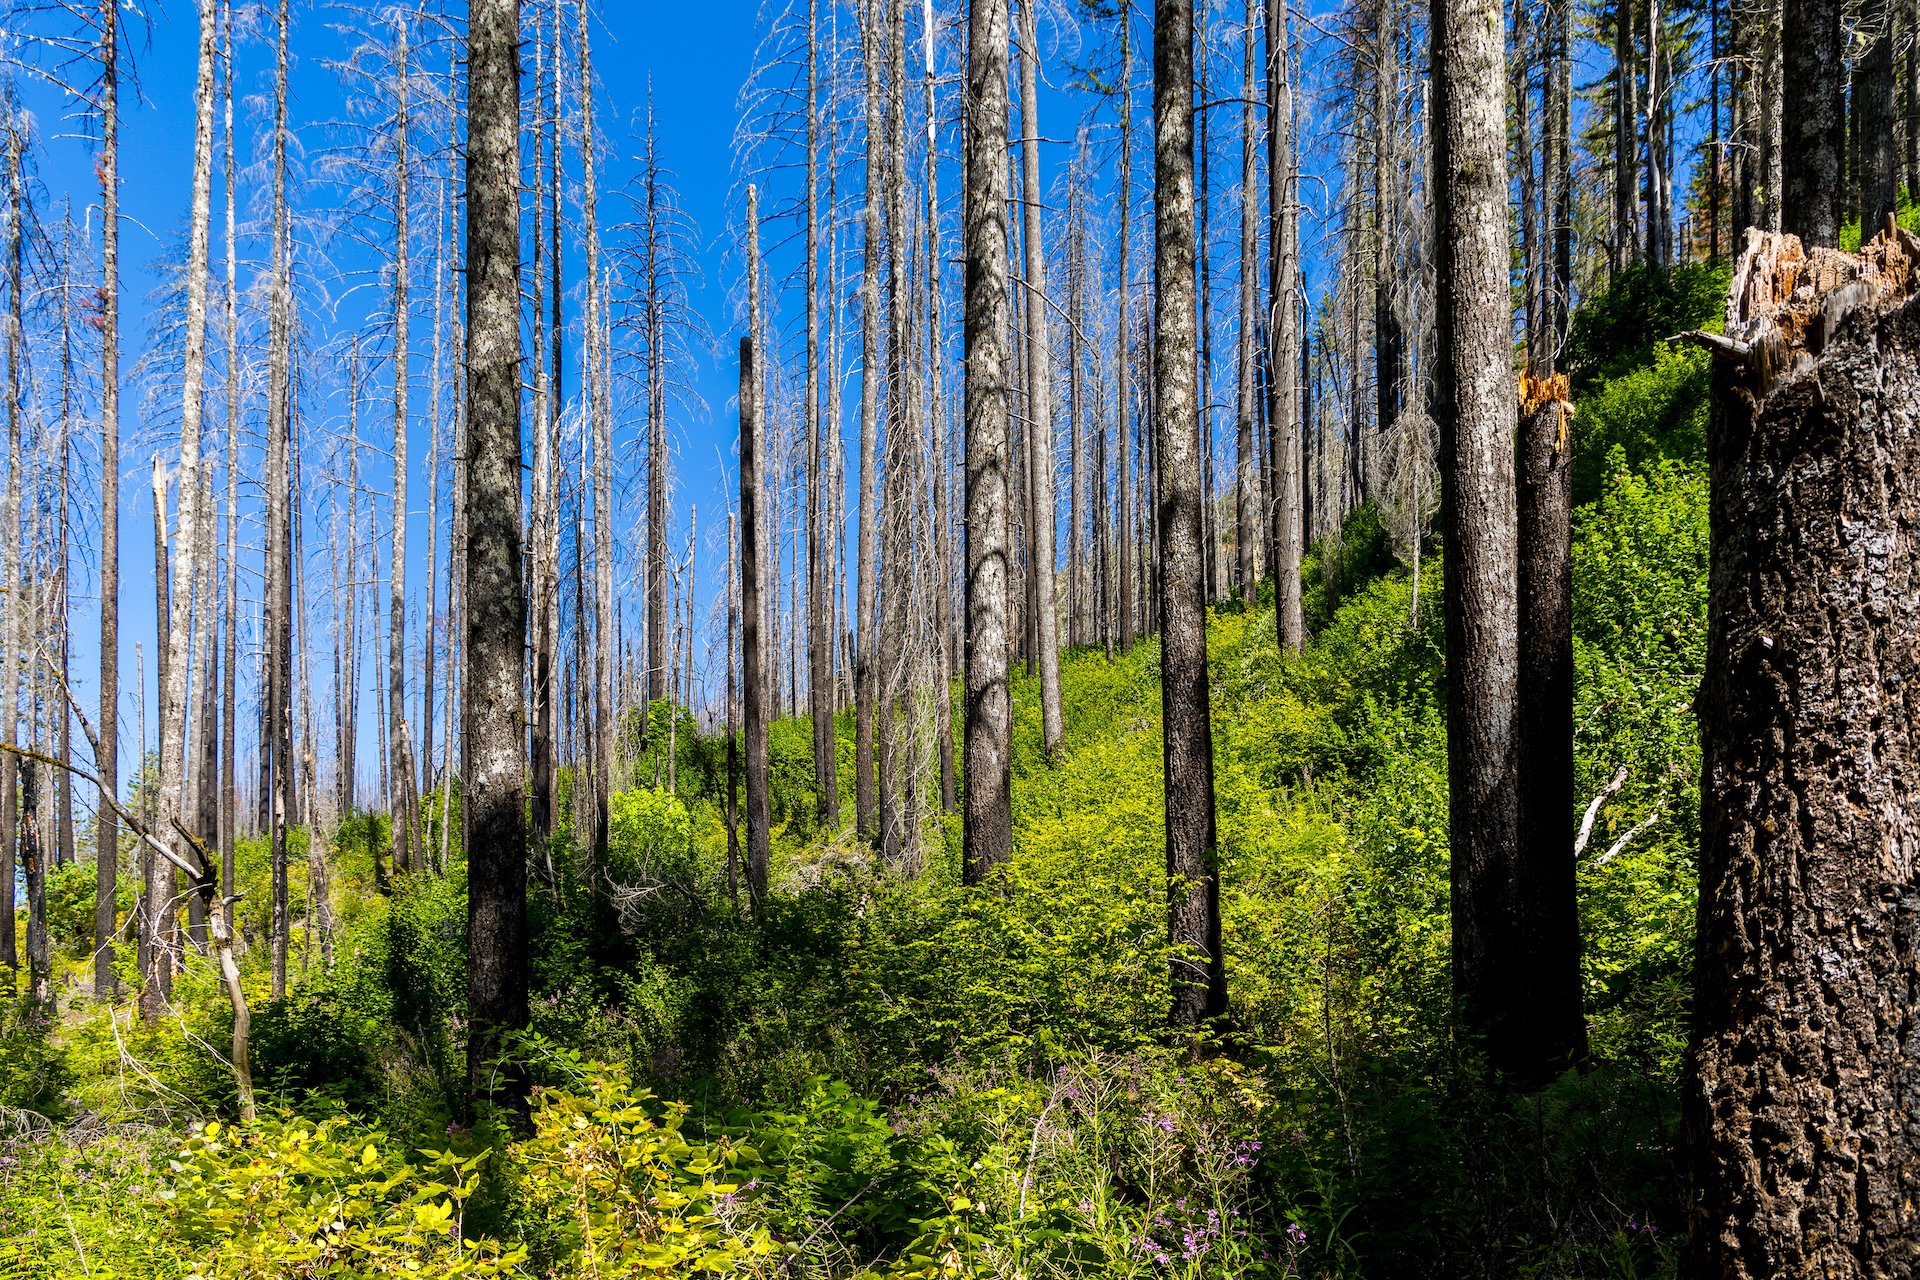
(937, 638)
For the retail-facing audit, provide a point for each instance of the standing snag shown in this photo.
(1801, 1081)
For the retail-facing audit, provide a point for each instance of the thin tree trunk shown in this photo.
(1283, 329)
(229, 647)
(866, 602)
(937, 426)
(1040, 460)
(753, 641)
(1198, 976)
(733, 721)
(277, 749)
(173, 702)
(988, 816)
(1249, 499)
(1123, 353)
(107, 753)
(496, 609)
(11, 542)
(826, 765)
(400, 764)
(1874, 111)
(1800, 1075)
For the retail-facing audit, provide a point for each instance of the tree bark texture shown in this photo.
(1475, 409)
(1814, 120)
(496, 610)
(1193, 886)
(987, 751)
(107, 756)
(1801, 1082)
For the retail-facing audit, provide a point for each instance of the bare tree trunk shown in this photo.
(733, 721)
(11, 542)
(866, 602)
(1874, 112)
(400, 764)
(1193, 888)
(540, 744)
(1123, 351)
(107, 754)
(496, 609)
(277, 749)
(600, 422)
(901, 440)
(753, 657)
(1626, 162)
(940, 549)
(1814, 110)
(1040, 460)
(826, 764)
(1283, 328)
(173, 702)
(1800, 1076)
(1249, 499)
(229, 647)
(1475, 408)
(988, 815)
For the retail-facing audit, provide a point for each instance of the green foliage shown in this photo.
(1649, 415)
(1618, 331)
(296, 1199)
(70, 893)
(1338, 565)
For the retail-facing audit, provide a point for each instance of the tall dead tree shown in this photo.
(107, 753)
(1474, 404)
(866, 601)
(1123, 534)
(1040, 460)
(1801, 1158)
(277, 750)
(494, 657)
(987, 838)
(1283, 330)
(938, 416)
(173, 704)
(11, 539)
(400, 763)
(1248, 493)
(1199, 977)
(826, 763)
(753, 658)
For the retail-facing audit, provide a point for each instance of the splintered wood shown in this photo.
(1785, 305)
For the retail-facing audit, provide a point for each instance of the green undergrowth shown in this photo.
(890, 1073)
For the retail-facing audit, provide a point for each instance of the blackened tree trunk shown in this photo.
(1545, 733)
(1873, 106)
(1474, 405)
(400, 762)
(496, 611)
(1801, 1080)
(753, 650)
(987, 751)
(11, 541)
(1814, 85)
(1193, 884)
(1123, 533)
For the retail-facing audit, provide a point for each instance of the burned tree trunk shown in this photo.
(1801, 1080)
(753, 654)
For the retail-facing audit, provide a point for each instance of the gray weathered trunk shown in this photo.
(495, 657)
(988, 747)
